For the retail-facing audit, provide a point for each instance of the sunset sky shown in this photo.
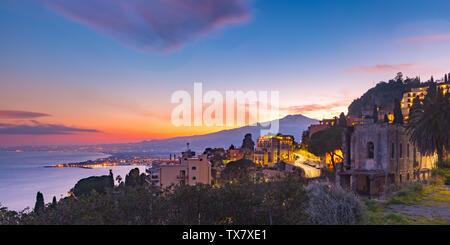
(103, 71)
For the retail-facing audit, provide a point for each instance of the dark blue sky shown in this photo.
(79, 59)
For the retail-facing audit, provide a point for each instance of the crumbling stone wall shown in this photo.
(376, 155)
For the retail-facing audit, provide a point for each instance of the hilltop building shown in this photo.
(235, 155)
(271, 150)
(327, 123)
(377, 155)
(421, 92)
(188, 153)
(187, 170)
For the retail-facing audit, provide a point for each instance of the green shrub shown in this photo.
(446, 163)
(87, 185)
(408, 195)
(437, 180)
(443, 173)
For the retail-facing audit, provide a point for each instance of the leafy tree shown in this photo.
(216, 155)
(305, 139)
(119, 179)
(415, 108)
(133, 178)
(327, 141)
(9, 217)
(87, 185)
(399, 77)
(39, 206)
(238, 169)
(428, 124)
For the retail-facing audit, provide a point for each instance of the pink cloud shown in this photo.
(380, 68)
(161, 25)
(423, 39)
(301, 109)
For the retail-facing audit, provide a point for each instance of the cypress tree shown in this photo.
(415, 108)
(248, 143)
(53, 205)
(445, 78)
(342, 120)
(386, 118)
(432, 90)
(375, 114)
(39, 206)
(305, 138)
(398, 115)
(111, 179)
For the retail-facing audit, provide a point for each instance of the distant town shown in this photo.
(368, 153)
(376, 164)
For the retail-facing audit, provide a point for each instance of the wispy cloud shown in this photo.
(7, 114)
(380, 68)
(161, 25)
(42, 129)
(302, 109)
(425, 39)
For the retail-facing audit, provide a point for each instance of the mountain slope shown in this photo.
(291, 125)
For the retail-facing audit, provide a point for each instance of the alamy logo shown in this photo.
(235, 109)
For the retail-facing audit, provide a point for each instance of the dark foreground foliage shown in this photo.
(242, 202)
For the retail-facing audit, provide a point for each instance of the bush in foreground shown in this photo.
(409, 195)
(243, 202)
(333, 206)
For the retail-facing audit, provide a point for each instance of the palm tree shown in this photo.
(428, 123)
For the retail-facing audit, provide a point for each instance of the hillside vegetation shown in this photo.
(384, 94)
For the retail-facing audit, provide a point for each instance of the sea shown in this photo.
(23, 174)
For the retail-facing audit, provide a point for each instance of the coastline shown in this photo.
(23, 174)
